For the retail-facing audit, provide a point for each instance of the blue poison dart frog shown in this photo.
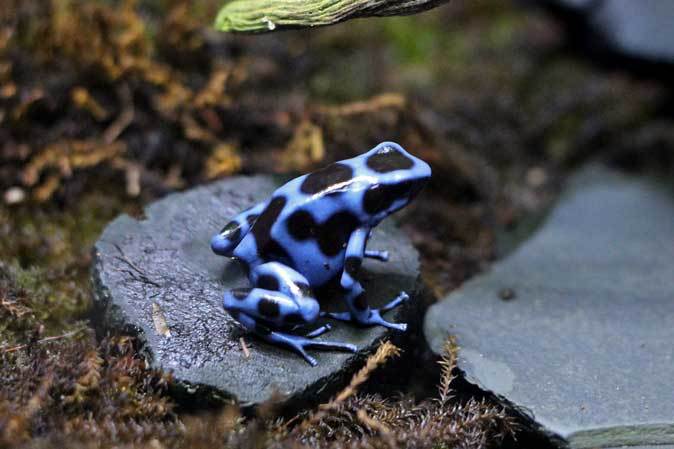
(311, 235)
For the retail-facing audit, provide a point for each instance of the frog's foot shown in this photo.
(299, 344)
(373, 317)
(295, 342)
(378, 255)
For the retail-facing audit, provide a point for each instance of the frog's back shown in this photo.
(307, 223)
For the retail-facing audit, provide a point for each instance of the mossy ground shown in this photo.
(105, 106)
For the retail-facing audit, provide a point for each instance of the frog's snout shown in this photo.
(425, 171)
(221, 245)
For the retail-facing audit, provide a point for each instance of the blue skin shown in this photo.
(312, 234)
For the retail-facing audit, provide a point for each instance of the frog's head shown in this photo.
(400, 177)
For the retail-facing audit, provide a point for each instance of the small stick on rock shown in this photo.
(244, 348)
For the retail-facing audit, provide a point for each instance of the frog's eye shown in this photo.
(382, 197)
(326, 178)
(388, 159)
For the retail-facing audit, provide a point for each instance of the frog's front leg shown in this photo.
(224, 242)
(359, 311)
(375, 254)
(281, 301)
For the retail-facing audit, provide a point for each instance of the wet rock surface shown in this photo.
(158, 278)
(640, 29)
(585, 340)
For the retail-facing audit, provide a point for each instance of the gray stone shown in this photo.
(158, 278)
(644, 447)
(587, 342)
(644, 28)
(638, 28)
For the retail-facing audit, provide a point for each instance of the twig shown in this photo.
(376, 103)
(159, 320)
(43, 340)
(385, 351)
(124, 119)
(244, 348)
(377, 426)
(450, 352)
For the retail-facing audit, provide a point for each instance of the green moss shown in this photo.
(415, 40)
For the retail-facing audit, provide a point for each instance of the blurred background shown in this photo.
(107, 105)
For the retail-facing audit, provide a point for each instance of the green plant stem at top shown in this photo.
(256, 16)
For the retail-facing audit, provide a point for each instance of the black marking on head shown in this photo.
(380, 197)
(294, 318)
(335, 232)
(301, 225)
(240, 293)
(232, 231)
(268, 308)
(325, 178)
(360, 302)
(389, 159)
(251, 219)
(304, 289)
(268, 282)
(352, 265)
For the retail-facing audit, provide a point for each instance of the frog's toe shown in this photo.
(319, 331)
(382, 256)
(347, 347)
(375, 319)
(374, 316)
(401, 298)
(310, 360)
(300, 344)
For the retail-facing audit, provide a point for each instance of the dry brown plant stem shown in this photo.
(385, 351)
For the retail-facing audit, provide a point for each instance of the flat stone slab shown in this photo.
(641, 28)
(584, 338)
(645, 447)
(158, 278)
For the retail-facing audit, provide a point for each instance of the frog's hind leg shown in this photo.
(280, 301)
(354, 294)
(361, 313)
(224, 242)
(297, 343)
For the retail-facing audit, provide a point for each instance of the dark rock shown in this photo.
(587, 344)
(641, 29)
(644, 447)
(157, 277)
